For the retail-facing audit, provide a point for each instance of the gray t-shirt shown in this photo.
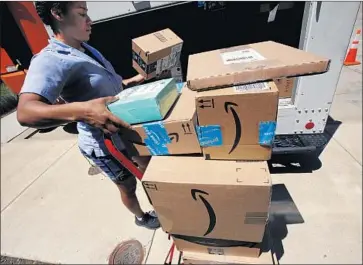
(61, 70)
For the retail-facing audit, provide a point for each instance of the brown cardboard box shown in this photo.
(175, 134)
(200, 258)
(285, 86)
(250, 63)
(238, 123)
(211, 199)
(156, 52)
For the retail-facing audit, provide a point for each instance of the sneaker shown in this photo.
(149, 220)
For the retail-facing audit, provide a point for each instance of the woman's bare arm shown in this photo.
(34, 111)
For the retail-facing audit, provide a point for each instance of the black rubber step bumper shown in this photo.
(299, 143)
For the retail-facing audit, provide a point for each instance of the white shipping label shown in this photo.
(141, 90)
(252, 87)
(241, 56)
(175, 55)
(169, 61)
(149, 88)
(125, 94)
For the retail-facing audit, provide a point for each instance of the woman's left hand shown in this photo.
(137, 79)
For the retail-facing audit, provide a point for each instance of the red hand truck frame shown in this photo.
(130, 166)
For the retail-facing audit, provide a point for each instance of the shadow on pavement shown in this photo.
(47, 130)
(304, 162)
(283, 212)
(71, 128)
(68, 128)
(299, 163)
(330, 129)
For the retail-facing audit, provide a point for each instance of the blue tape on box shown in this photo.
(266, 131)
(210, 135)
(179, 87)
(157, 138)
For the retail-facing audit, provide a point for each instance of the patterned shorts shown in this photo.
(113, 169)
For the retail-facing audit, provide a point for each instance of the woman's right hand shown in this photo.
(96, 114)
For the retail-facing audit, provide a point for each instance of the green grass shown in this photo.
(8, 100)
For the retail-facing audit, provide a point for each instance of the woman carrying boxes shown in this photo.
(70, 68)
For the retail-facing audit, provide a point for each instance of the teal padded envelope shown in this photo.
(145, 103)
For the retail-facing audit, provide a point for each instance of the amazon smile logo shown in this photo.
(174, 136)
(212, 215)
(228, 106)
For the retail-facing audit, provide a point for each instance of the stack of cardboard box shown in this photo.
(216, 207)
(238, 121)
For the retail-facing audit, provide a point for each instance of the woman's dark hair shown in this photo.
(44, 11)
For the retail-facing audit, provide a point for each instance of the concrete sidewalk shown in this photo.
(63, 215)
(52, 211)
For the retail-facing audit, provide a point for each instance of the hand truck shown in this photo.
(130, 166)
